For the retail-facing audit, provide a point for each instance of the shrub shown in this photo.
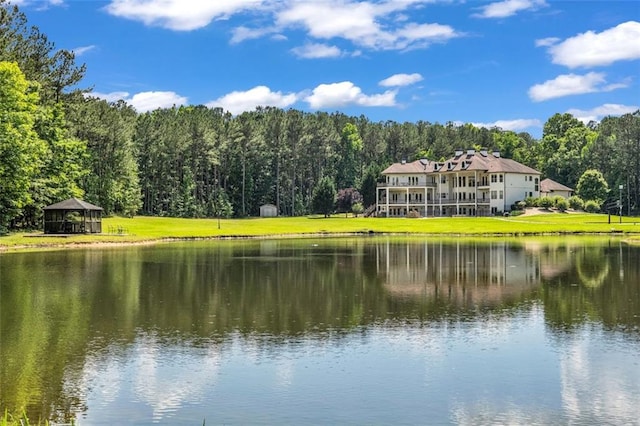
(591, 206)
(414, 214)
(576, 203)
(531, 202)
(562, 204)
(545, 202)
(357, 209)
(557, 199)
(521, 205)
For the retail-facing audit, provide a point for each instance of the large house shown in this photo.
(472, 183)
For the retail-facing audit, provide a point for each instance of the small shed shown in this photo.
(551, 188)
(268, 210)
(72, 216)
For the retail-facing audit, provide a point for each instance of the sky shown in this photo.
(510, 64)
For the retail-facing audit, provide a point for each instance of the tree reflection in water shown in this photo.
(80, 308)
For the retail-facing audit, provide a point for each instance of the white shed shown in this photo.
(268, 210)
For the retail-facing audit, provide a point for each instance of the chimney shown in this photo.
(458, 152)
(471, 151)
(404, 161)
(483, 152)
(496, 154)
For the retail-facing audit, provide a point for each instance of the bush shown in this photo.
(576, 203)
(545, 202)
(557, 199)
(414, 214)
(531, 202)
(357, 209)
(562, 204)
(521, 205)
(591, 206)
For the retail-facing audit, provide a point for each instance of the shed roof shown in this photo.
(549, 185)
(72, 204)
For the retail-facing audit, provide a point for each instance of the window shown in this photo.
(443, 195)
(500, 176)
(472, 182)
(494, 210)
(443, 179)
(494, 195)
(494, 178)
(501, 195)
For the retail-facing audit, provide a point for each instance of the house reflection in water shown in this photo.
(471, 274)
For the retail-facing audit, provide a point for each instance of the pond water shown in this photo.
(325, 331)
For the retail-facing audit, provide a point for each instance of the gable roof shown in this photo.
(72, 204)
(418, 166)
(549, 185)
(469, 161)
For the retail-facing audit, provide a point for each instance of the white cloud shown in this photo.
(79, 51)
(238, 102)
(149, 101)
(242, 33)
(597, 113)
(401, 80)
(545, 42)
(572, 84)
(506, 8)
(367, 24)
(179, 15)
(109, 97)
(346, 93)
(620, 43)
(513, 125)
(144, 101)
(316, 50)
(42, 4)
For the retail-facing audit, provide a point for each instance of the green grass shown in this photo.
(149, 229)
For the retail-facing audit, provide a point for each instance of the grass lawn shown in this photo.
(119, 230)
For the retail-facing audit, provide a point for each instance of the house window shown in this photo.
(501, 195)
(536, 185)
(494, 210)
(472, 182)
(494, 178)
(443, 195)
(494, 195)
(443, 179)
(394, 197)
(500, 176)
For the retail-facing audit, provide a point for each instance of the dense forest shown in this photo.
(57, 141)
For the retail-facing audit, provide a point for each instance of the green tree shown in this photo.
(21, 150)
(592, 186)
(324, 197)
(108, 129)
(369, 185)
(349, 170)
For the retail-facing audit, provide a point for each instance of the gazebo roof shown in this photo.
(72, 204)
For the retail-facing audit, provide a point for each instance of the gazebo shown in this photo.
(72, 216)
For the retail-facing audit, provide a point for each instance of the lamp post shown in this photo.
(620, 201)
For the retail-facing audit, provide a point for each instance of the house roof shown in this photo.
(418, 166)
(549, 185)
(72, 204)
(466, 161)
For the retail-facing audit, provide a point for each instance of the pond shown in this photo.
(325, 331)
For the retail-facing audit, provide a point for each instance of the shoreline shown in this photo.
(631, 238)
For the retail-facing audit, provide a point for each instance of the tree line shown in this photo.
(56, 141)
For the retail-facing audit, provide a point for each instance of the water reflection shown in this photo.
(159, 333)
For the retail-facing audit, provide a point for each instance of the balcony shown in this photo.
(406, 185)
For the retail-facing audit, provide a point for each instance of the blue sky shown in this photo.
(511, 64)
